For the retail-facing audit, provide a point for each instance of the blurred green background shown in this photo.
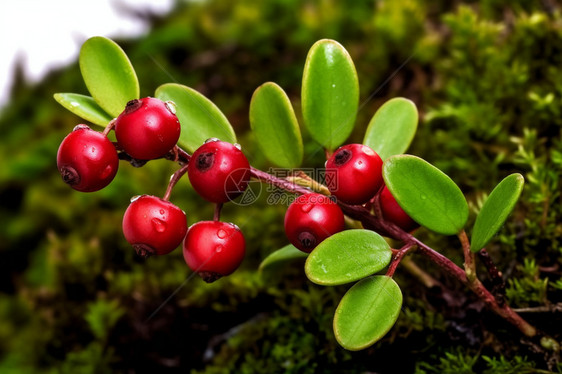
(487, 79)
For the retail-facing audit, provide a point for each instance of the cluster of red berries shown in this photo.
(354, 176)
(148, 129)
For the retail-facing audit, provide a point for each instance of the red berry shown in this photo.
(214, 249)
(310, 219)
(87, 160)
(148, 128)
(354, 173)
(153, 226)
(218, 171)
(392, 212)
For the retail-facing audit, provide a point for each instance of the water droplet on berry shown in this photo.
(221, 233)
(238, 146)
(106, 172)
(135, 198)
(368, 151)
(158, 225)
(218, 248)
(162, 211)
(81, 127)
(171, 106)
(235, 226)
(212, 140)
(306, 208)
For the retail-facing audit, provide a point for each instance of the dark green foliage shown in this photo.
(486, 78)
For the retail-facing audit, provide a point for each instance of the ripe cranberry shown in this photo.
(148, 128)
(153, 226)
(87, 160)
(218, 171)
(392, 212)
(214, 249)
(354, 173)
(310, 219)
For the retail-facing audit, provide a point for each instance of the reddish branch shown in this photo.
(375, 223)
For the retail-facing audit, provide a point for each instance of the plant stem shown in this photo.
(376, 223)
(398, 258)
(173, 181)
(217, 214)
(469, 265)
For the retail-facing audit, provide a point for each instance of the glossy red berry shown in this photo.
(148, 128)
(354, 173)
(392, 212)
(219, 171)
(87, 160)
(214, 249)
(153, 226)
(310, 219)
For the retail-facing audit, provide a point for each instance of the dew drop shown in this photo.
(158, 225)
(135, 198)
(210, 140)
(235, 226)
(171, 106)
(218, 248)
(306, 208)
(333, 85)
(162, 211)
(221, 234)
(106, 172)
(238, 146)
(81, 127)
(423, 196)
(368, 151)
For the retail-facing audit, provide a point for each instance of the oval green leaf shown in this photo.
(108, 74)
(347, 256)
(199, 117)
(495, 210)
(429, 196)
(330, 93)
(367, 312)
(281, 256)
(275, 126)
(392, 128)
(84, 107)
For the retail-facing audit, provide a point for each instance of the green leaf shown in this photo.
(495, 210)
(392, 128)
(84, 107)
(199, 117)
(426, 194)
(108, 74)
(330, 93)
(275, 126)
(347, 256)
(281, 256)
(366, 312)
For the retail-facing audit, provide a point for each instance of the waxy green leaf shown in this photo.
(347, 256)
(392, 128)
(199, 117)
(366, 312)
(495, 210)
(281, 256)
(84, 107)
(275, 126)
(426, 194)
(330, 93)
(108, 74)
